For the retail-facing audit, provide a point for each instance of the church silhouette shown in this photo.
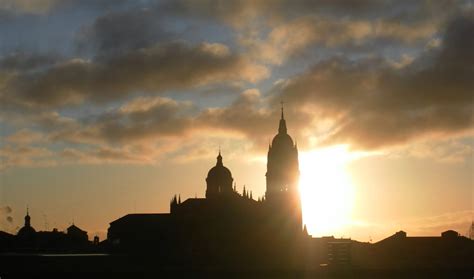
(232, 232)
(226, 226)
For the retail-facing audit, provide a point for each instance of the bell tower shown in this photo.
(282, 194)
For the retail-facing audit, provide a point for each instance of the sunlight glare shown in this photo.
(327, 193)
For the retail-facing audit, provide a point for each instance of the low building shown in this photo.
(77, 234)
(29, 240)
(399, 251)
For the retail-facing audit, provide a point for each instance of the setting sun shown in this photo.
(327, 193)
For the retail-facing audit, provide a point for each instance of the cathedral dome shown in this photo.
(219, 172)
(219, 179)
(26, 231)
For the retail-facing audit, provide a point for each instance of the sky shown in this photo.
(109, 107)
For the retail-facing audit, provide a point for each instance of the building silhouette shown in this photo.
(231, 231)
(449, 251)
(26, 237)
(282, 177)
(29, 240)
(226, 223)
(219, 180)
(77, 234)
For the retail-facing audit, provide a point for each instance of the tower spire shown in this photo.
(282, 114)
(282, 126)
(27, 218)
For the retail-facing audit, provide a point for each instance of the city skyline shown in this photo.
(113, 107)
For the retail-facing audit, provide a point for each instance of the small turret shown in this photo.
(27, 218)
(173, 204)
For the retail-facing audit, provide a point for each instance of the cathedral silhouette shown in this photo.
(232, 232)
(225, 223)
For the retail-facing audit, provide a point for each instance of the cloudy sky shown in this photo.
(112, 106)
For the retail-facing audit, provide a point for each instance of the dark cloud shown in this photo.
(104, 154)
(283, 30)
(145, 118)
(144, 24)
(404, 10)
(5, 219)
(239, 12)
(310, 33)
(135, 52)
(45, 7)
(376, 104)
(131, 133)
(249, 116)
(123, 30)
(24, 61)
(5, 209)
(243, 115)
(155, 69)
(149, 120)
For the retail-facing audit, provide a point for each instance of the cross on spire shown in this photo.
(282, 126)
(282, 117)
